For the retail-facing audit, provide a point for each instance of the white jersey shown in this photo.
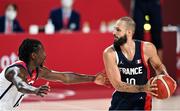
(10, 97)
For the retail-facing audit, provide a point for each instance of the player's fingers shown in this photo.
(154, 94)
(102, 73)
(151, 78)
(108, 84)
(44, 88)
(153, 85)
(47, 83)
(154, 89)
(149, 81)
(99, 73)
(43, 91)
(42, 94)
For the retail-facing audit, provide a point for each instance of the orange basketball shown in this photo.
(166, 86)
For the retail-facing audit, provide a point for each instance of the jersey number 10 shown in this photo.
(131, 81)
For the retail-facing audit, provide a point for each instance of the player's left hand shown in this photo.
(151, 88)
(102, 79)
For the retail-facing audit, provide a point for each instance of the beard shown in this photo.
(120, 41)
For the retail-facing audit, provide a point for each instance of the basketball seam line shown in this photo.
(168, 91)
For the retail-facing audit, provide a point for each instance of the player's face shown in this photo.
(119, 33)
(41, 56)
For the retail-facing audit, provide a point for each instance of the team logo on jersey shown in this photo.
(138, 61)
(121, 62)
(141, 98)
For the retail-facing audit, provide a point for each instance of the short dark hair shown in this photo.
(27, 47)
(13, 5)
(129, 22)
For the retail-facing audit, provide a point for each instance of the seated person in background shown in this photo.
(65, 18)
(8, 22)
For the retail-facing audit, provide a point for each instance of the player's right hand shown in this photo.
(151, 88)
(42, 90)
(102, 79)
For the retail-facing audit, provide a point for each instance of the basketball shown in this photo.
(166, 86)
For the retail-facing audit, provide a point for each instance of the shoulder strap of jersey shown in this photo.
(143, 59)
(19, 64)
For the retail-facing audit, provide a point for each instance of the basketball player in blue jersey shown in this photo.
(126, 64)
(17, 79)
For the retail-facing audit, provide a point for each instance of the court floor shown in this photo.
(171, 104)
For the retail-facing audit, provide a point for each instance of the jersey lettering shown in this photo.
(132, 71)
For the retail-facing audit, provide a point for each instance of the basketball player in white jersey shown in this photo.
(17, 79)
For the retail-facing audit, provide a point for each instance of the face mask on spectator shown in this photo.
(67, 3)
(11, 14)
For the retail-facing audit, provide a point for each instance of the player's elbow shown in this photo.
(20, 88)
(67, 79)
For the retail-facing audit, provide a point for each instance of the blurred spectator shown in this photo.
(65, 18)
(152, 8)
(8, 22)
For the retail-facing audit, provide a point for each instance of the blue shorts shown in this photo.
(131, 101)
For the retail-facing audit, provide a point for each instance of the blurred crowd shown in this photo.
(146, 13)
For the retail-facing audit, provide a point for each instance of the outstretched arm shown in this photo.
(17, 76)
(70, 77)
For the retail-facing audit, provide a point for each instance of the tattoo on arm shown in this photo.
(78, 78)
(161, 69)
(125, 87)
(14, 76)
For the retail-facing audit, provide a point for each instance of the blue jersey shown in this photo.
(134, 72)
